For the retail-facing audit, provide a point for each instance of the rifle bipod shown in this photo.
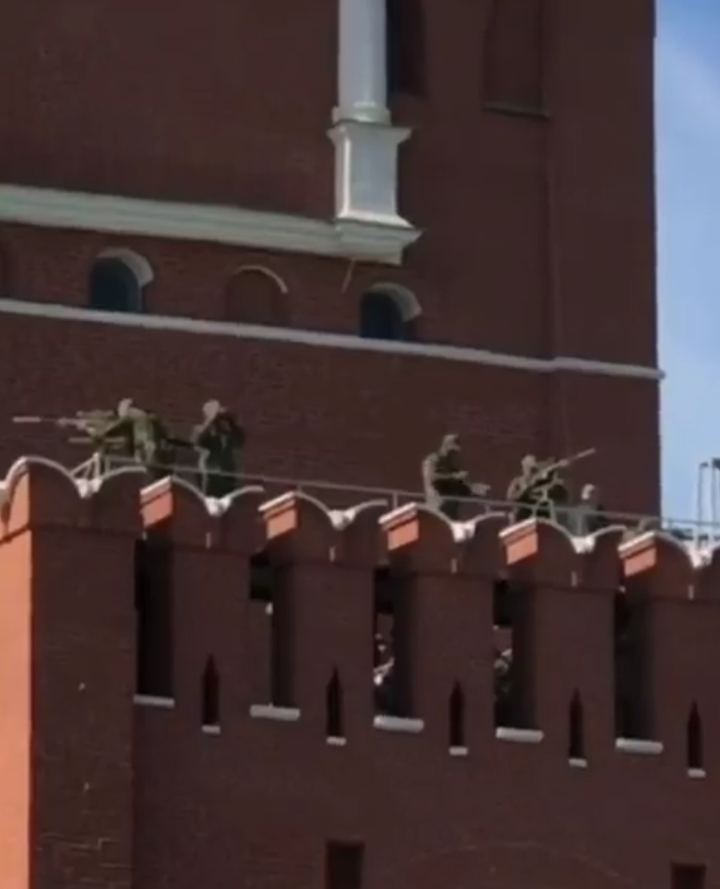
(92, 470)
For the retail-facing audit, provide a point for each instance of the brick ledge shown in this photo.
(328, 340)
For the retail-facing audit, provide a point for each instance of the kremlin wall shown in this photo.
(171, 716)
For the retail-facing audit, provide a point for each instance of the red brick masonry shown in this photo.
(104, 791)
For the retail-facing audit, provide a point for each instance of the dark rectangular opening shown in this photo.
(513, 619)
(344, 864)
(688, 876)
(153, 619)
(282, 646)
(394, 632)
(262, 578)
(633, 704)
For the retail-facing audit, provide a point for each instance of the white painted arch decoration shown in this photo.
(406, 301)
(135, 262)
(262, 270)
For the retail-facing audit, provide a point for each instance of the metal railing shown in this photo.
(703, 535)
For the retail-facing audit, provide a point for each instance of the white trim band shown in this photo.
(327, 340)
(51, 208)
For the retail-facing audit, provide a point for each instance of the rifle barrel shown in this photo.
(583, 454)
(88, 440)
(78, 420)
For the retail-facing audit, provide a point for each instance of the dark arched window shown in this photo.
(114, 287)
(381, 318)
(405, 47)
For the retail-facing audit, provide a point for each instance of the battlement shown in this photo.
(285, 618)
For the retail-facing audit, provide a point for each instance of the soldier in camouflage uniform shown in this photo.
(539, 491)
(523, 491)
(138, 435)
(217, 440)
(444, 479)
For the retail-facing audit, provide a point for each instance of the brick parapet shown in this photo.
(325, 564)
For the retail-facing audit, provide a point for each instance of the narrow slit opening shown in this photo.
(576, 745)
(210, 695)
(334, 727)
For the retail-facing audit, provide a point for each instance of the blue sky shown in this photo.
(688, 179)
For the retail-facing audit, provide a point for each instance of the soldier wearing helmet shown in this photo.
(217, 440)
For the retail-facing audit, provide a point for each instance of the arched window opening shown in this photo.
(334, 727)
(153, 619)
(406, 47)
(114, 286)
(695, 753)
(255, 295)
(384, 317)
(210, 695)
(576, 746)
(456, 716)
(513, 54)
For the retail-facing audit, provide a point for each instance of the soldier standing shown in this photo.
(444, 479)
(553, 495)
(539, 491)
(217, 441)
(523, 491)
(589, 515)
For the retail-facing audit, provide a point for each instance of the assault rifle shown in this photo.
(89, 425)
(87, 422)
(548, 468)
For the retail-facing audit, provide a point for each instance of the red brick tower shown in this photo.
(246, 201)
(252, 204)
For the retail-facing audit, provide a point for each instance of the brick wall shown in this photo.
(255, 802)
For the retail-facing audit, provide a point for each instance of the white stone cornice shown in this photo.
(329, 340)
(369, 239)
